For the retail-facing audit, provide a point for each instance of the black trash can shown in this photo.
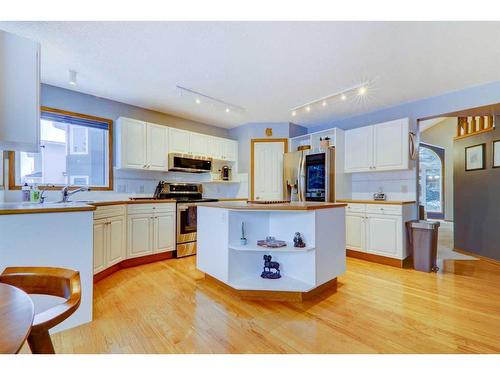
(422, 238)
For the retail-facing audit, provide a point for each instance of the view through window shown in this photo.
(73, 151)
(431, 176)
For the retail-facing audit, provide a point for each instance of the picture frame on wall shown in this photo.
(475, 157)
(496, 153)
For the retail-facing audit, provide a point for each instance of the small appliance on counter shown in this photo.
(380, 196)
(225, 173)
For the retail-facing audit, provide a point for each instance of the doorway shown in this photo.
(266, 168)
(432, 180)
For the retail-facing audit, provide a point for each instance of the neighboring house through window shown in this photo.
(75, 149)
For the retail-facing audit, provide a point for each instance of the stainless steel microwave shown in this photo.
(189, 163)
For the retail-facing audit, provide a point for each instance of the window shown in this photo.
(431, 179)
(75, 150)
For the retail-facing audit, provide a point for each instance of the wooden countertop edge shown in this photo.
(361, 201)
(271, 207)
(139, 201)
(19, 211)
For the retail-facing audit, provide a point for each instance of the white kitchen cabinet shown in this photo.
(109, 237)
(151, 229)
(141, 145)
(157, 147)
(390, 145)
(131, 143)
(100, 227)
(215, 146)
(19, 93)
(164, 232)
(140, 235)
(355, 231)
(198, 144)
(384, 235)
(379, 229)
(178, 141)
(359, 149)
(231, 149)
(116, 240)
(380, 147)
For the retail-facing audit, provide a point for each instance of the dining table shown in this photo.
(16, 318)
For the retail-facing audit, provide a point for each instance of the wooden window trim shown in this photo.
(12, 159)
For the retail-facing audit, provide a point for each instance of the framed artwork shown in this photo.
(496, 153)
(475, 157)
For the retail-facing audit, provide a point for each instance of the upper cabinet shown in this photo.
(19, 93)
(178, 141)
(380, 147)
(143, 145)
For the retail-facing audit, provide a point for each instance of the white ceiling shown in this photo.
(266, 67)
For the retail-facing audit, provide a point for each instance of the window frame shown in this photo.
(12, 154)
(440, 153)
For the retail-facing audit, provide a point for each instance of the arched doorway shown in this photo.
(431, 178)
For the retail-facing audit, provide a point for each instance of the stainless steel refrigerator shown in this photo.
(310, 175)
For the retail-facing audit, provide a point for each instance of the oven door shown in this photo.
(186, 222)
(315, 177)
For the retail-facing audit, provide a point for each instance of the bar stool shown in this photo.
(59, 282)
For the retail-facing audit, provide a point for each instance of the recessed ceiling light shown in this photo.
(362, 90)
(343, 97)
(227, 110)
(72, 78)
(198, 101)
(308, 108)
(323, 104)
(294, 113)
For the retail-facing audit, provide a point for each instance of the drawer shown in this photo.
(355, 207)
(150, 207)
(109, 211)
(386, 209)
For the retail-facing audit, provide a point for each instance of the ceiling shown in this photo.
(265, 67)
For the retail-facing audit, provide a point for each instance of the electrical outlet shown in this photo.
(122, 188)
(404, 188)
(141, 189)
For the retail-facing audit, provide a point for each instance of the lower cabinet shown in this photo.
(151, 229)
(355, 231)
(122, 232)
(109, 242)
(384, 235)
(378, 230)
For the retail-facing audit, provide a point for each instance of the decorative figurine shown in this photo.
(298, 241)
(243, 240)
(270, 265)
(271, 242)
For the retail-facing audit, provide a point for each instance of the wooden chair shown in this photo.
(50, 281)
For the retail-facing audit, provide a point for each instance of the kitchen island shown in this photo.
(304, 271)
(50, 235)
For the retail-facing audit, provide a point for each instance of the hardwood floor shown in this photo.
(168, 307)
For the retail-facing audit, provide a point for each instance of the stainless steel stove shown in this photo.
(187, 197)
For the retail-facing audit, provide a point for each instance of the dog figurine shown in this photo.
(270, 265)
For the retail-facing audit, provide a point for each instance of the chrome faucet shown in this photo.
(66, 193)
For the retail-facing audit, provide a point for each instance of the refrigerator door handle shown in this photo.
(302, 177)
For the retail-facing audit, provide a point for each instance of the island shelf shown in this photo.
(239, 266)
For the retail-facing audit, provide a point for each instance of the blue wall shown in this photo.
(73, 101)
(434, 106)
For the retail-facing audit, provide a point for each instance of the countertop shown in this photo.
(293, 206)
(368, 201)
(130, 201)
(37, 208)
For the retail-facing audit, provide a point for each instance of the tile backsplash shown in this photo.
(398, 185)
